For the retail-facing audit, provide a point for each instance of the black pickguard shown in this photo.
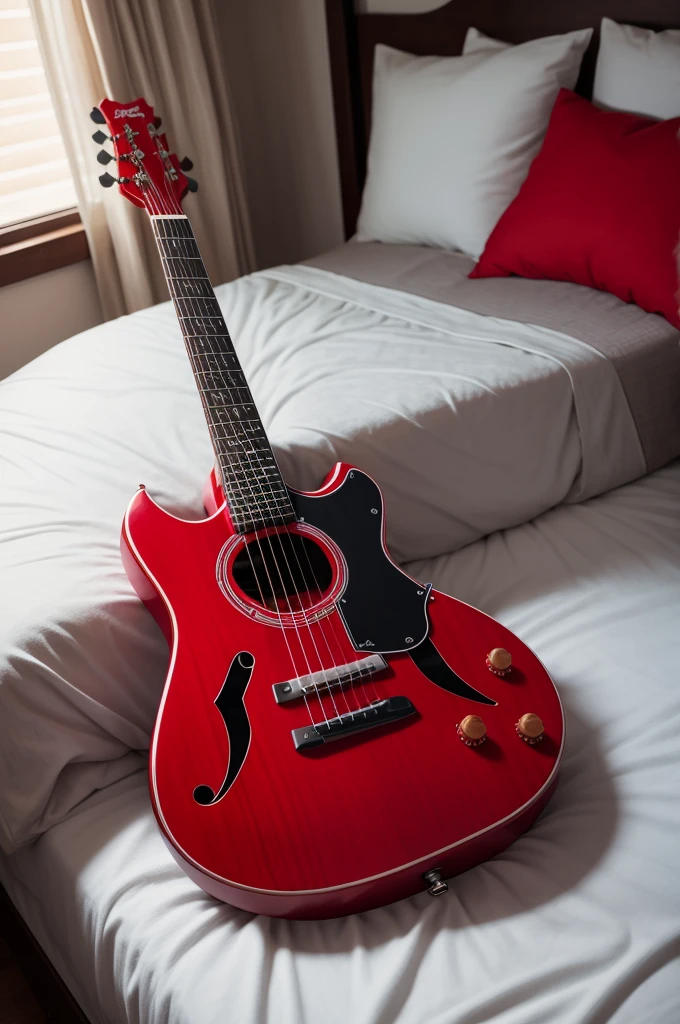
(432, 665)
(229, 703)
(384, 611)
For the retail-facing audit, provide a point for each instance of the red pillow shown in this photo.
(600, 207)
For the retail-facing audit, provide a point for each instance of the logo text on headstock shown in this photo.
(130, 112)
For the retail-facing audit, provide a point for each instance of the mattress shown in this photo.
(577, 923)
(643, 348)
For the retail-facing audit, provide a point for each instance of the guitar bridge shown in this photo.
(382, 712)
(328, 677)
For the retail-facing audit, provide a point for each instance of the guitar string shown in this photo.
(279, 536)
(206, 315)
(321, 623)
(322, 630)
(360, 673)
(158, 207)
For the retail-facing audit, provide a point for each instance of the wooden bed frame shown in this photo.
(351, 41)
(352, 38)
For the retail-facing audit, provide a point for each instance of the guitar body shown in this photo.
(257, 808)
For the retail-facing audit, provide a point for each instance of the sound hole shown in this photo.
(283, 571)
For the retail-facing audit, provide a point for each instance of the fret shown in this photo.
(263, 459)
(179, 268)
(222, 402)
(237, 395)
(241, 449)
(208, 339)
(239, 499)
(185, 247)
(220, 422)
(238, 441)
(223, 413)
(251, 479)
(245, 490)
(254, 476)
(192, 287)
(240, 431)
(228, 376)
(213, 362)
(222, 349)
(201, 317)
(184, 277)
(189, 308)
(238, 423)
(245, 507)
(249, 525)
(248, 509)
(173, 227)
(221, 390)
(198, 305)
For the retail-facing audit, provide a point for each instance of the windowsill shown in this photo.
(36, 246)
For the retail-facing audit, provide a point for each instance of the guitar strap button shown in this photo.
(436, 887)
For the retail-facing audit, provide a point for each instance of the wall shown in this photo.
(277, 68)
(41, 311)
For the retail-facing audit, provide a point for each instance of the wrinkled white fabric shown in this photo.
(577, 923)
(468, 423)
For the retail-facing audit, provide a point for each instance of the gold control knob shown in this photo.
(499, 661)
(530, 728)
(472, 731)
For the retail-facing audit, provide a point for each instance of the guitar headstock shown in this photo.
(149, 175)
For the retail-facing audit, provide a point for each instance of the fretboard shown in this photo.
(250, 476)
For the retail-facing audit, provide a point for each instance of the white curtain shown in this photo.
(167, 52)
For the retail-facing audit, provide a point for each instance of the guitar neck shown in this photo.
(250, 477)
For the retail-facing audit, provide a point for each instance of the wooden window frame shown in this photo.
(36, 246)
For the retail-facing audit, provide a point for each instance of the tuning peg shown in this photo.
(107, 180)
(192, 185)
(100, 138)
(103, 157)
(97, 116)
(186, 164)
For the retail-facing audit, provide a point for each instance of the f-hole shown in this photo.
(229, 703)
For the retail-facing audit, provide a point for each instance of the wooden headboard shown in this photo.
(352, 38)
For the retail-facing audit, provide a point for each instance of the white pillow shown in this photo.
(476, 41)
(638, 70)
(453, 137)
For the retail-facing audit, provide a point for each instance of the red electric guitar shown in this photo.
(333, 735)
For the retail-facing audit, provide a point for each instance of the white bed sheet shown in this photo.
(469, 423)
(577, 923)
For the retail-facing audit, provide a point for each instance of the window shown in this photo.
(34, 173)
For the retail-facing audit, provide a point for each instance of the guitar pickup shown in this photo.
(382, 712)
(325, 678)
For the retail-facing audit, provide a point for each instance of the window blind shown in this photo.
(34, 175)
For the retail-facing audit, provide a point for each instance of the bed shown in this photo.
(557, 514)
(576, 922)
